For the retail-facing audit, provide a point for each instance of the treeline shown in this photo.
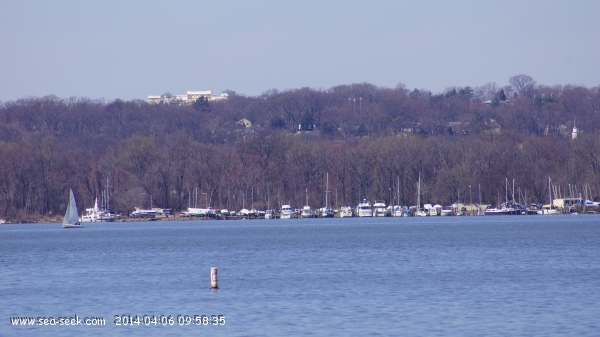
(277, 148)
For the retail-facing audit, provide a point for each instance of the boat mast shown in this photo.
(479, 206)
(549, 194)
(506, 191)
(419, 193)
(306, 196)
(326, 188)
(398, 186)
(513, 191)
(107, 197)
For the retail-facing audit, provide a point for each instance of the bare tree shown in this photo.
(523, 84)
(486, 92)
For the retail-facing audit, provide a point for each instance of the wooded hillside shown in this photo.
(366, 137)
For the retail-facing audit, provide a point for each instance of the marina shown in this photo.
(378, 209)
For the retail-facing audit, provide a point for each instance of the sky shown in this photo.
(130, 49)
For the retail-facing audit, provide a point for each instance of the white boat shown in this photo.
(364, 209)
(307, 212)
(446, 211)
(148, 213)
(418, 210)
(106, 216)
(97, 215)
(91, 214)
(404, 211)
(504, 209)
(286, 212)
(269, 214)
(379, 208)
(435, 210)
(326, 212)
(71, 219)
(192, 212)
(397, 211)
(346, 212)
(507, 208)
(547, 209)
(421, 213)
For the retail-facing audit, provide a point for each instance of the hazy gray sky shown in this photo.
(132, 49)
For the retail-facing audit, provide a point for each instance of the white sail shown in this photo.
(71, 215)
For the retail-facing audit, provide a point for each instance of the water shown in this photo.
(438, 276)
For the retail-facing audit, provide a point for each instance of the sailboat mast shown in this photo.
(506, 190)
(306, 191)
(398, 201)
(513, 191)
(107, 195)
(398, 186)
(479, 206)
(326, 188)
(419, 193)
(549, 194)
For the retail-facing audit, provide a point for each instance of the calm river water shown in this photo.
(435, 276)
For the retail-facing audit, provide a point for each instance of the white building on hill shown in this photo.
(189, 98)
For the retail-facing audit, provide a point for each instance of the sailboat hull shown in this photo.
(71, 225)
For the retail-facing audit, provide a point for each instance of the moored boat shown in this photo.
(141, 213)
(326, 212)
(547, 210)
(364, 209)
(307, 212)
(346, 212)
(286, 212)
(504, 209)
(379, 208)
(446, 211)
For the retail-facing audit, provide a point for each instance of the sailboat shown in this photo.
(306, 210)
(326, 212)
(419, 211)
(547, 209)
(71, 219)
